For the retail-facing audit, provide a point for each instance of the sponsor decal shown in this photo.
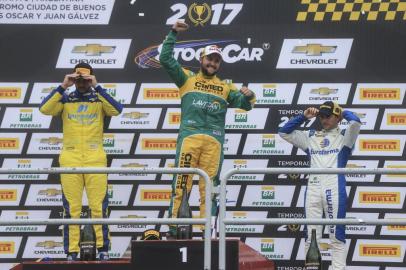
(153, 195)
(126, 214)
(266, 144)
(394, 119)
(25, 118)
(379, 93)
(272, 248)
(265, 196)
(377, 250)
(240, 119)
(318, 93)
(24, 215)
(379, 145)
(158, 93)
(244, 215)
(153, 143)
(378, 197)
(136, 118)
(273, 93)
(11, 92)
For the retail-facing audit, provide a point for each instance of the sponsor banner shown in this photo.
(301, 198)
(396, 230)
(266, 144)
(324, 246)
(44, 195)
(394, 178)
(24, 215)
(229, 164)
(394, 119)
(170, 163)
(380, 93)
(272, 248)
(376, 251)
(118, 195)
(172, 119)
(41, 90)
(9, 247)
(84, 12)
(314, 53)
(119, 245)
(231, 143)
(241, 119)
(367, 116)
(131, 214)
(360, 164)
(10, 195)
(136, 118)
(318, 93)
(12, 92)
(268, 196)
(273, 93)
(44, 246)
(137, 164)
(244, 215)
(379, 197)
(26, 163)
(231, 197)
(379, 145)
(153, 195)
(358, 229)
(117, 143)
(158, 93)
(99, 53)
(156, 143)
(12, 143)
(295, 164)
(45, 143)
(25, 118)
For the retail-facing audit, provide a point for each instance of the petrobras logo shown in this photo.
(131, 214)
(45, 143)
(245, 215)
(361, 229)
(229, 164)
(314, 53)
(44, 246)
(9, 246)
(99, 53)
(158, 93)
(380, 93)
(241, 119)
(136, 118)
(394, 178)
(117, 143)
(395, 230)
(272, 248)
(24, 215)
(26, 163)
(361, 164)
(379, 145)
(273, 93)
(25, 118)
(394, 119)
(134, 163)
(153, 195)
(379, 250)
(50, 195)
(266, 196)
(155, 143)
(11, 143)
(318, 93)
(10, 195)
(266, 144)
(368, 118)
(188, 53)
(172, 118)
(118, 246)
(12, 92)
(379, 197)
(122, 92)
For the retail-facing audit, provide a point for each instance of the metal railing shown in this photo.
(98, 170)
(278, 221)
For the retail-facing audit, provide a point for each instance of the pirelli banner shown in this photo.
(292, 53)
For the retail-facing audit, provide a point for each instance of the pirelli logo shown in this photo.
(379, 93)
(397, 227)
(396, 167)
(379, 197)
(10, 92)
(161, 93)
(7, 247)
(158, 144)
(7, 195)
(379, 145)
(378, 250)
(174, 118)
(9, 143)
(149, 195)
(396, 119)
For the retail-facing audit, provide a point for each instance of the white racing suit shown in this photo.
(326, 149)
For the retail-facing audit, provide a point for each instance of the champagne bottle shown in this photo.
(184, 231)
(88, 241)
(313, 256)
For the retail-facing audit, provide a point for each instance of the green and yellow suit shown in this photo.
(83, 120)
(204, 102)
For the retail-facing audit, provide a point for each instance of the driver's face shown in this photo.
(210, 64)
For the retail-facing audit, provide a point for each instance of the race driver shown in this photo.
(83, 112)
(328, 148)
(204, 102)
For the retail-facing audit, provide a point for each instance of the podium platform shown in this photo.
(248, 259)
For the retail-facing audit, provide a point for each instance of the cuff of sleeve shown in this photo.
(60, 89)
(98, 88)
(302, 117)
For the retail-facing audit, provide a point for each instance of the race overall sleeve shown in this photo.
(237, 100)
(52, 104)
(169, 63)
(352, 131)
(111, 107)
(296, 137)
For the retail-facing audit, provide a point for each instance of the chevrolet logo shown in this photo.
(324, 91)
(135, 115)
(49, 244)
(314, 49)
(51, 192)
(133, 216)
(48, 89)
(134, 165)
(324, 246)
(93, 49)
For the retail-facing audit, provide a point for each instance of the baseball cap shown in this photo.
(83, 69)
(210, 50)
(328, 108)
